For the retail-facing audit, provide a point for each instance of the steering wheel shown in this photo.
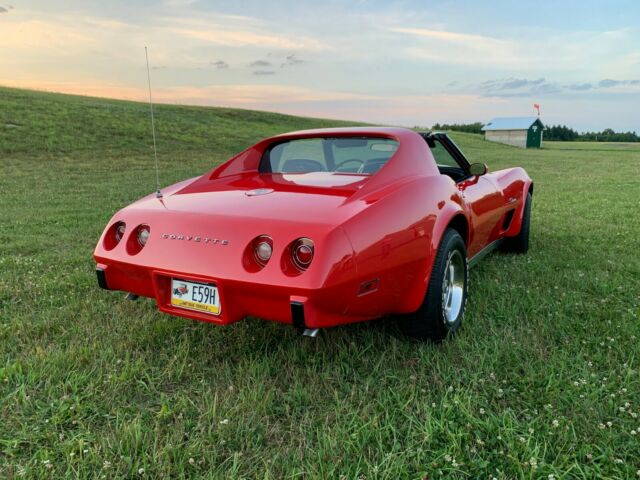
(350, 160)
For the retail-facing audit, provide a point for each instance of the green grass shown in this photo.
(544, 378)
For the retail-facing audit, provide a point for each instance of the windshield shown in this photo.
(358, 155)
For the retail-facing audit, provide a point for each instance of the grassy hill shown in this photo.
(544, 378)
(54, 123)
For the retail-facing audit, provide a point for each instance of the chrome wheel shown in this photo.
(441, 313)
(453, 287)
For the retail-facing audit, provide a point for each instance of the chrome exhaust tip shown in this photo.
(310, 332)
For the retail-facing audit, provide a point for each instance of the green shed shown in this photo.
(523, 132)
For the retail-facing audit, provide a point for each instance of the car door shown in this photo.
(481, 194)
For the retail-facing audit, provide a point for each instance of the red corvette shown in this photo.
(321, 228)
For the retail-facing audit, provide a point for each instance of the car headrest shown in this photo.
(302, 165)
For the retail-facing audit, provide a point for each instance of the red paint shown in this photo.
(374, 236)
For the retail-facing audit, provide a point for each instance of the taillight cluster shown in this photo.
(143, 235)
(118, 231)
(136, 241)
(296, 258)
(263, 249)
(302, 253)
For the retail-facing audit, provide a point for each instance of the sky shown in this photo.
(401, 62)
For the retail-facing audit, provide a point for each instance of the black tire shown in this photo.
(520, 243)
(433, 321)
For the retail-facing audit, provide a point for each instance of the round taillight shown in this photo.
(263, 249)
(118, 231)
(143, 235)
(302, 253)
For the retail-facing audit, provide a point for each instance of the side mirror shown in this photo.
(478, 169)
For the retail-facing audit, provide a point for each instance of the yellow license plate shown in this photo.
(201, 297)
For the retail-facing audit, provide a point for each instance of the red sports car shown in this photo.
(321, 228)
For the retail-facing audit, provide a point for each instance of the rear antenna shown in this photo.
(153, 128)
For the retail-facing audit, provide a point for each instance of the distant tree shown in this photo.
(563, 133)
(609, 135)
(560, 133)
(459, 127)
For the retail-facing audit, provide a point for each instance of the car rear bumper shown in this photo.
(303, 308)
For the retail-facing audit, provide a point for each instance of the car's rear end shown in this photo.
(245, 240)
(253, 262)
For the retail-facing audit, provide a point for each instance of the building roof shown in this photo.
(510, 123)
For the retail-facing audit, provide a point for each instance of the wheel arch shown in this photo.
(451, 217)
(461, 225)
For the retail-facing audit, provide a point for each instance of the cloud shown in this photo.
(235, 31)
(235, 38)
(446, 35)
(159, 67)
(511, 84)
(264, 72)
(219, 64)
(34, 35)
(519, 83)
(269, 96)
(290, 60)
(538, 81)
(460, 48)
(179, 3)
(260, 63)
(580, 86)
(608, 83)
(522, 87)
(3, 10)
(293, 60)
(524, 51)
(513, 87)
(545, 89)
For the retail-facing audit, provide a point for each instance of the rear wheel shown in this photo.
(520, 243)
(442, 309)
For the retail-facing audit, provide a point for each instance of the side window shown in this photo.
(442, 157)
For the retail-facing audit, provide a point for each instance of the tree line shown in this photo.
(556, 132)
(460, 127)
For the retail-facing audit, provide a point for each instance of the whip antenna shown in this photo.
(153, 128)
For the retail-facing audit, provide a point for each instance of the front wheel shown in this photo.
(442, 309)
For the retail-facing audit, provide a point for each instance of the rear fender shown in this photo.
(395, 239)
(448, 211)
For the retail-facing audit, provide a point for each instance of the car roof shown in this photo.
(413, 158)
(390, 132)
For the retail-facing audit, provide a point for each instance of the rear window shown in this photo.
(358, 155)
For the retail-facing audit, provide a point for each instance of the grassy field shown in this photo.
(542, 382)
